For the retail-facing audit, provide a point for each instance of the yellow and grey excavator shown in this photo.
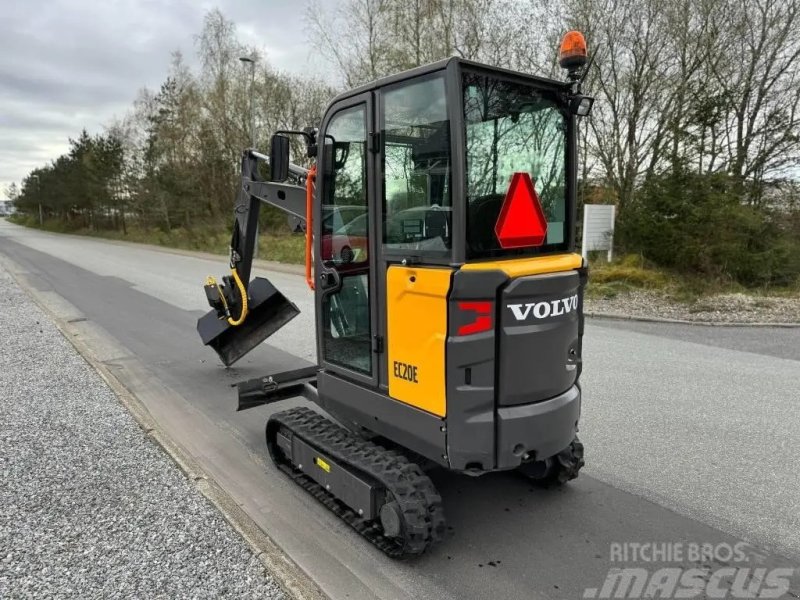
(440, 244)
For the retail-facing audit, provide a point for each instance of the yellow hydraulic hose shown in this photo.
(243, 294)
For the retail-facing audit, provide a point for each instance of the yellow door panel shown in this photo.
(416, 332)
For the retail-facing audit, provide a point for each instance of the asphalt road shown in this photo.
(691, 435)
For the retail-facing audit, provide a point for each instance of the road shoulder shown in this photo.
(97, 352)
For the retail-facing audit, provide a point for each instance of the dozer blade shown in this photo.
(268, 311)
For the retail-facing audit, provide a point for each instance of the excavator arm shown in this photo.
(244, 312)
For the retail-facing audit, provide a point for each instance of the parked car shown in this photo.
(348, 244)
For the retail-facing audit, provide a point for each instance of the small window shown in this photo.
(415, 134)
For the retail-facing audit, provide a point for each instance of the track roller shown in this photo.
(381, 494)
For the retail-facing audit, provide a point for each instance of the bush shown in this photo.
(23, 219)
(698, 224)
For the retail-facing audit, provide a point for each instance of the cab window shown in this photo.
(415, 138)
(512, 127)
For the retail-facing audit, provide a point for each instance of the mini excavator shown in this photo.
(440, 217)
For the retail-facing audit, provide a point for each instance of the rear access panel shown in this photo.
(539, 346)
(416, 331)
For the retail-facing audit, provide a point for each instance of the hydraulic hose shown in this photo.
(243, 294)
(312, 175)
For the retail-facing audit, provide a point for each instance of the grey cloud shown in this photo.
(26, 120)
(70, 64)
(21, 155)
(16, 86)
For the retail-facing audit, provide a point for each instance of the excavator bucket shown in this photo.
(268, 311)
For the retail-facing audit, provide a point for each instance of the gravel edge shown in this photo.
(622, 317)
(732, 309)
(293, 581)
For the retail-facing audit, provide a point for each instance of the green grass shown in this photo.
(279, 247)
(632, 272)
(286, 248)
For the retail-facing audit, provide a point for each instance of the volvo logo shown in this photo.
(542, 310)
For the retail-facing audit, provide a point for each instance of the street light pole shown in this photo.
(251, 60)
(38, 192)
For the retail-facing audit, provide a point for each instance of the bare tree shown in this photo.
(12, 191)
(759, 86)
(367, 39)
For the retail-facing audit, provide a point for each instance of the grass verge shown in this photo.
(632, 272)
(606, 280)
(279, 247)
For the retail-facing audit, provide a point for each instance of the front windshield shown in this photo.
(512, 127)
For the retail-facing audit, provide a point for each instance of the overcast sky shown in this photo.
(70, 64)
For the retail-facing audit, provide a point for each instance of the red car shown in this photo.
(348, 244)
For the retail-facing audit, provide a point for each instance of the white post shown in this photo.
(584, 250)
(611, 240)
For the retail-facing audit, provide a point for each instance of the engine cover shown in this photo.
(539, 329)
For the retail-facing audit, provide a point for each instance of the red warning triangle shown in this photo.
(521, 221)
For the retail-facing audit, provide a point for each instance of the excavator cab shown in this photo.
(448, 294)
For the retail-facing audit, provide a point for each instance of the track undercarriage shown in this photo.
(380, 493)
(379, 489)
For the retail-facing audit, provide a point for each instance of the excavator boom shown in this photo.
(245, 313)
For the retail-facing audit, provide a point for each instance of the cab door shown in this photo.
(345, 248)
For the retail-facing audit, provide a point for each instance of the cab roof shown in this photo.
(441, 65)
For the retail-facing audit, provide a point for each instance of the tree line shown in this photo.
(695, 133)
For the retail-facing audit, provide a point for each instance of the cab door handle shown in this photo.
(329, 279)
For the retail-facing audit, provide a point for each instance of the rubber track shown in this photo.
(419, 502)
(564, 466)
(570, 461)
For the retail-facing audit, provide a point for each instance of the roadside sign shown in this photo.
(598, 228)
